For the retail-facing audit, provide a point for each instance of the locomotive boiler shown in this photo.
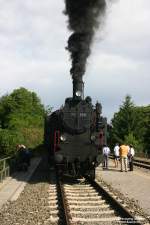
(75, 134)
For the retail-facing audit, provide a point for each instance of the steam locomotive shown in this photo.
(75, 134)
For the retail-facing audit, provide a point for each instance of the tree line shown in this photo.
(22, 122)
(131, 125)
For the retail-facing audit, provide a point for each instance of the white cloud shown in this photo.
(33, 35)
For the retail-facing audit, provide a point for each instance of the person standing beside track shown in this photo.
(131, 154)
(106, 152)
(116, 154)
(123, 152)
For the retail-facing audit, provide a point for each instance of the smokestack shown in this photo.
(78, 88)
(84, 17)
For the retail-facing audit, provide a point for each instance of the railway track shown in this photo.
(144, 163)
(87, 202)
(48, 200)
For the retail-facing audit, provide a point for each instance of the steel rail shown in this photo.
(141, 164)
(123, 212)
(145, 161)
(138, 162)
(63, 201)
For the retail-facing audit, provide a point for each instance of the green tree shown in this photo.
(126, 124)
(131, 139)
(145, 126)
(21, 115)
(124, 120)
(147, 129)
(8, 141)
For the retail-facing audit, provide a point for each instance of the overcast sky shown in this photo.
(33, 37)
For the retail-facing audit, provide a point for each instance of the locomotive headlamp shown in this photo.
(63, 137)
(93, 138)
(58, 158)
(78, 93)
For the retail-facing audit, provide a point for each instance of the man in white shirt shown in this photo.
(131, 154)
(106, 152)
(116, 154)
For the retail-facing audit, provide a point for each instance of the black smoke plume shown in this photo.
(84, 17)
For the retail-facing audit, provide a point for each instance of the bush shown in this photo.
(130, 139)
(31, 137)
(8, 141)
(21, 121)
